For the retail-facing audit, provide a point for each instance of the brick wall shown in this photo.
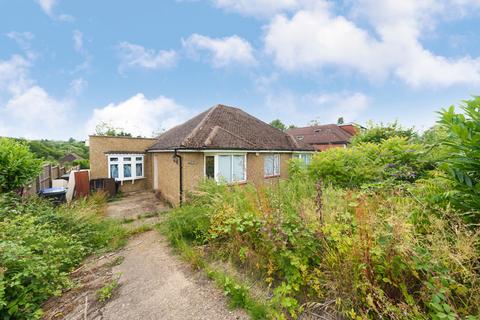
(100, 145)
(255, 168)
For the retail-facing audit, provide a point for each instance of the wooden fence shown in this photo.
(44, 180)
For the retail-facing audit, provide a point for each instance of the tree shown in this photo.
(340, 120)
(18, 166)
(378, 132)
(106, 129)
(277, 123)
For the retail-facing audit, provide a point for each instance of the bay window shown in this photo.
(123, 167)
(227, 168)
(271, 165)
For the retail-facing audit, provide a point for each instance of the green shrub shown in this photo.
(392, 160)
(83, 163)
(18, 165)
(41, 244)
(463, 163)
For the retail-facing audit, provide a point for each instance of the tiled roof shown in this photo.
(321, 134)
(222, 127)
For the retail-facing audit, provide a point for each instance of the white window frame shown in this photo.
(121, 162)
(305, 157)
(275, 156)
(215, 162)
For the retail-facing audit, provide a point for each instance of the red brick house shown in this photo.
(323, 137)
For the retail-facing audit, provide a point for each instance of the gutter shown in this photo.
(179, 160)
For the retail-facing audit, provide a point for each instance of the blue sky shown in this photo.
(144, 66)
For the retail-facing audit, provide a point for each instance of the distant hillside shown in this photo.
(51, 150)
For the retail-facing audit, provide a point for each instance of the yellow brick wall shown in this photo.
(168, 176)
(255, 168)
(100, 145)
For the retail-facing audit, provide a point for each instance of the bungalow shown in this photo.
(222, 143)
(323, 137)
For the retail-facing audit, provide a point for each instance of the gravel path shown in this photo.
(155, 284)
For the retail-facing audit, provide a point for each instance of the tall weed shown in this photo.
(377, 253)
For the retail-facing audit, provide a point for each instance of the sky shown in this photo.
(145, 66)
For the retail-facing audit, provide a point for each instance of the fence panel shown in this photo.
(44, 180)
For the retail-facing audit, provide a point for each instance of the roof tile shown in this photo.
(223, 127)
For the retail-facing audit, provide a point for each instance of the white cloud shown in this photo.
(29, 111)
(136, 56)
(14, 75)
(48, 6)
(139, 115)
(78, 41)
(394, 49)
(23, 39)
(334, 105)
(35, 114)
(77, 86)
(264, 8)
(79, 46)
(323, 107)
(221, 52)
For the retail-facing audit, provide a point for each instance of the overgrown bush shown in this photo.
(463, 162)
(18, 165)
(377, 132)
(40, 244)
(376, 254)
(83, 163)
(392, 160)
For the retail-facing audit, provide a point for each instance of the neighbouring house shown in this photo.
(69, 158)
(323, 137)
(222, 143)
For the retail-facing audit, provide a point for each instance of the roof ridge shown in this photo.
(199, 125)
(215, 132)
(212, 134)
(295, 142)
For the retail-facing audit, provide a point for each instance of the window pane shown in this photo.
(114, 159)
(114, 171)
(268, 165)
(276, 164)
(210, 167)
(238, 168)
(139, 158)
(224, 168)
(139, 170)
(308, 158)
(127, 159)
(127, 170)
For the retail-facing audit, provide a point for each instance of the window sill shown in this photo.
(272, 177)
(233, 183)
(130, 179)
(238, 183)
